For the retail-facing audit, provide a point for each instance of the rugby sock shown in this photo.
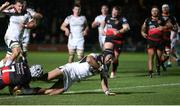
(44, 77)
(8, 62)
(115, 65)
(1, 63)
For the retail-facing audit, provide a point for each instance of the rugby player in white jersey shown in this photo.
(18, 19)
(98, 22)
(78, 28)
(12, 34)
(77, 71)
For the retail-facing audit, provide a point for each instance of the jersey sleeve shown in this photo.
(146, 22)
(124, 20)
(96, 19)
(173, 20)
(67, 20)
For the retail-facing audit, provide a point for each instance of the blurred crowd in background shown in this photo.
(54, 12)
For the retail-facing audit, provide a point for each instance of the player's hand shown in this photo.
(5, 4)
(108, 93)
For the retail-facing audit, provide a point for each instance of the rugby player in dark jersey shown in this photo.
(168, 35)
(115, 27)
(152, 31)
(18, 77)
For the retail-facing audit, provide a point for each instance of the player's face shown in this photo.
(155, 12)
(115, 12)
(76, 10)
(18, 6)
(165, 9)
(104, 9)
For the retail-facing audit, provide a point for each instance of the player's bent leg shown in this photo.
(158, 64)
(54, 74)
(15, 53)
(107, 60)
(71, 55)
(115, 63)
(80, 54)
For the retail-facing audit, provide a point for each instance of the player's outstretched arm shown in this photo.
(105, 88)
(3, 6)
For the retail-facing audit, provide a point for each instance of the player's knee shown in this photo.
(71, 55)
(80, 54)
(108, 55)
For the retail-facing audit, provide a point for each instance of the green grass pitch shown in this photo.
(131, 85)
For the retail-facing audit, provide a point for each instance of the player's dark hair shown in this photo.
(154, 6)
(118, 8)
(77, 5)
(20, 1)
(104, 5)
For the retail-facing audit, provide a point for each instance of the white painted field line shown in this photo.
(133, 87)
(98, 90)
(14, 97)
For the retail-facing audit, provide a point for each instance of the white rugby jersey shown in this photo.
(15, 23)
(100, 19)
(76, 26)
(78, 70)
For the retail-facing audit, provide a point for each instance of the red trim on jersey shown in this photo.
(5, 78)
(5, 75)
(119, 35)
(154, 31)
(109, 32)
(118, 42)
(154, 39)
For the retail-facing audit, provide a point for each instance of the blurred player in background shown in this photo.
(77, 71)
(78, 28)
(98, 22)
(169, 35)
(152, 31)
(20, 19)
(115, 27)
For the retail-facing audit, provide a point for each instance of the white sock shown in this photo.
(1, 63)
(169, 62)
(8, 62)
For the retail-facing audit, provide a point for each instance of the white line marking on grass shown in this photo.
(98, 90)
(14, 97)
(133, 87)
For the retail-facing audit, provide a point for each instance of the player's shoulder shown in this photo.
(82, 16)
(172, 17)
(122, 18)
(69, 17)
(147, 19)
